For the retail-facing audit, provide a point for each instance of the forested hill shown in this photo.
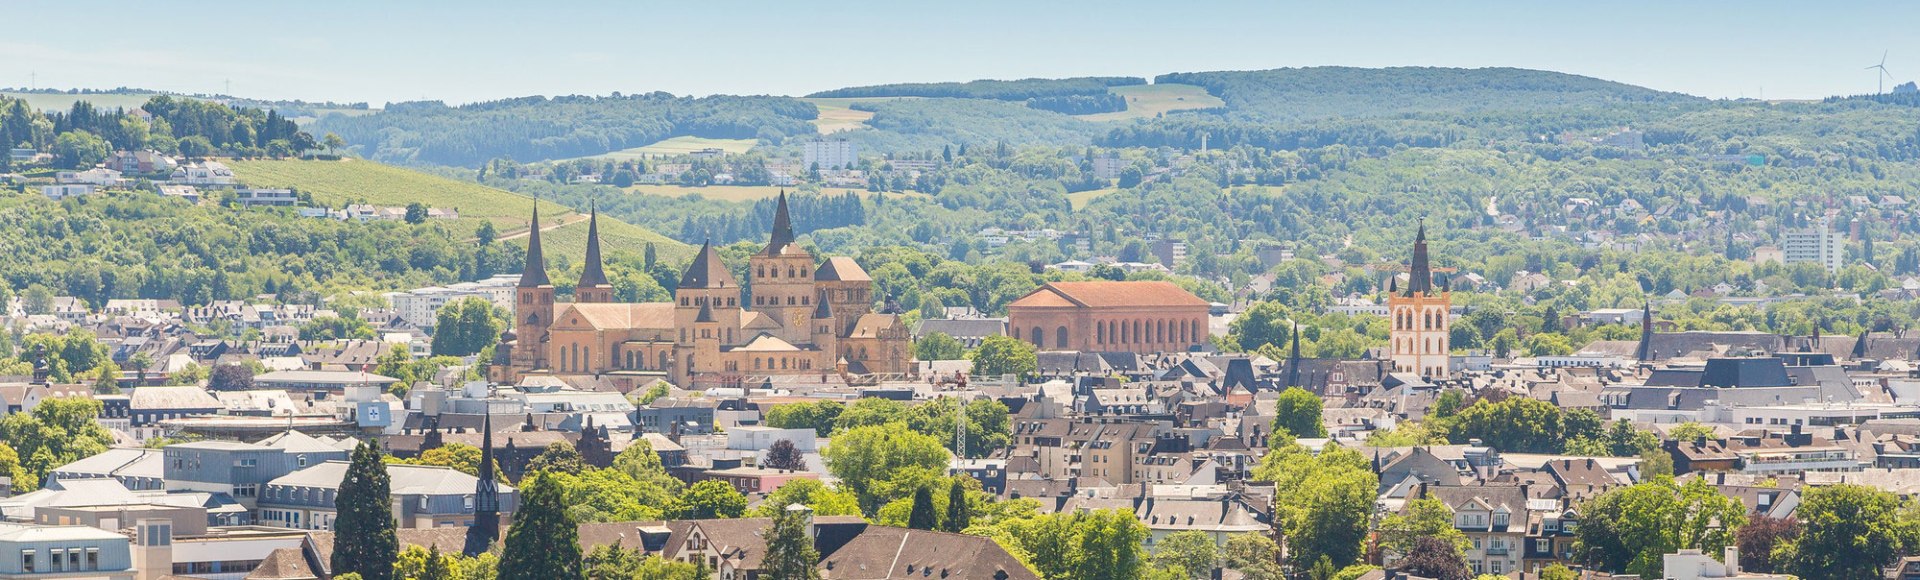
(1296, 94)
(1016, 90)
(538, 128)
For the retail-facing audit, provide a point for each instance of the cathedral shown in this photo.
(804, 320)
(1422, 319)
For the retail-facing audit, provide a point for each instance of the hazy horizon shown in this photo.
(356, 50)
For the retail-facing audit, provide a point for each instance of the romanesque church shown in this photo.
(803, 320)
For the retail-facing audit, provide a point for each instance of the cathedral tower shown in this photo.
(1421, 319)
(532, 304)
(782, 275)
(593, 286)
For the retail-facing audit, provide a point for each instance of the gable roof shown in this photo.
(767, 343)
(887, 552)
(1106, 293)
(843, 269)
(622, 316)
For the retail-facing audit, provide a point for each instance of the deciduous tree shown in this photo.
(544, 542)
(1850, 531)
(784, 455)
(712, 499)
(938, 346)
(1628, 530)
(1004, 355)
(1192, 554)
(824, 500)
(1435, 558)
(790, 552)
(1298, 413)
(1254, 555)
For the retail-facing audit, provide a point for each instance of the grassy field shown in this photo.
(1080, 199)
(679, 146)
(835, 116)
(615, 237)
(54, 102)
(338, 182)
(1147, 101)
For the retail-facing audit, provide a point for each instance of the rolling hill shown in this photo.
(64, 101)
(335, 183)
(1294, 94)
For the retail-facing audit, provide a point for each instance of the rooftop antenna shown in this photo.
(1880, 81)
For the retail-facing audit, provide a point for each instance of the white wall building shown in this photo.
(421, 306)
(830, 154)
(1819, 244)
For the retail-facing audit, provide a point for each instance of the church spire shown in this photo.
(486, 495)
(782, 226)
(534, 274)
(1644, 353)
(593, 275)
(1293, 359)
(1420, 274)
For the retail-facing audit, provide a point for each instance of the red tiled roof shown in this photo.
(1109, 294)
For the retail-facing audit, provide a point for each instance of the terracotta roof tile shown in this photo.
(647, 315)
(1109, 293)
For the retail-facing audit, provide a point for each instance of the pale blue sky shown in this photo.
(382, 51)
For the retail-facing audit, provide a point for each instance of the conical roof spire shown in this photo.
(534, 274)
(706, 312)
(706, 270)
(1644, 353)
(593, 275)
(1860, 346)
(486, 496)
(1420, 274)
(782, 235)
(782, 226)
(1293, 359)
(823, 311)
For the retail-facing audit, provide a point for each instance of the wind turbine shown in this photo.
(1881, 79)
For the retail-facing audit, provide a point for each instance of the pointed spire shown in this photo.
(706, 312)
(782, 226)
(486, 496)
(1644, 353)
(534, 274)
(823, 311)
(1860, 346)
(1293, 359)
(1420, 274)
(593, 275)
(706, 270)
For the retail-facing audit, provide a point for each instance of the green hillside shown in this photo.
(335, 183)
(1149, 101)
(63, 102)
(1291, 94)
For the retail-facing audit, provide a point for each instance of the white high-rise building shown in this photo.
(827, 154)
(1819, 244)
